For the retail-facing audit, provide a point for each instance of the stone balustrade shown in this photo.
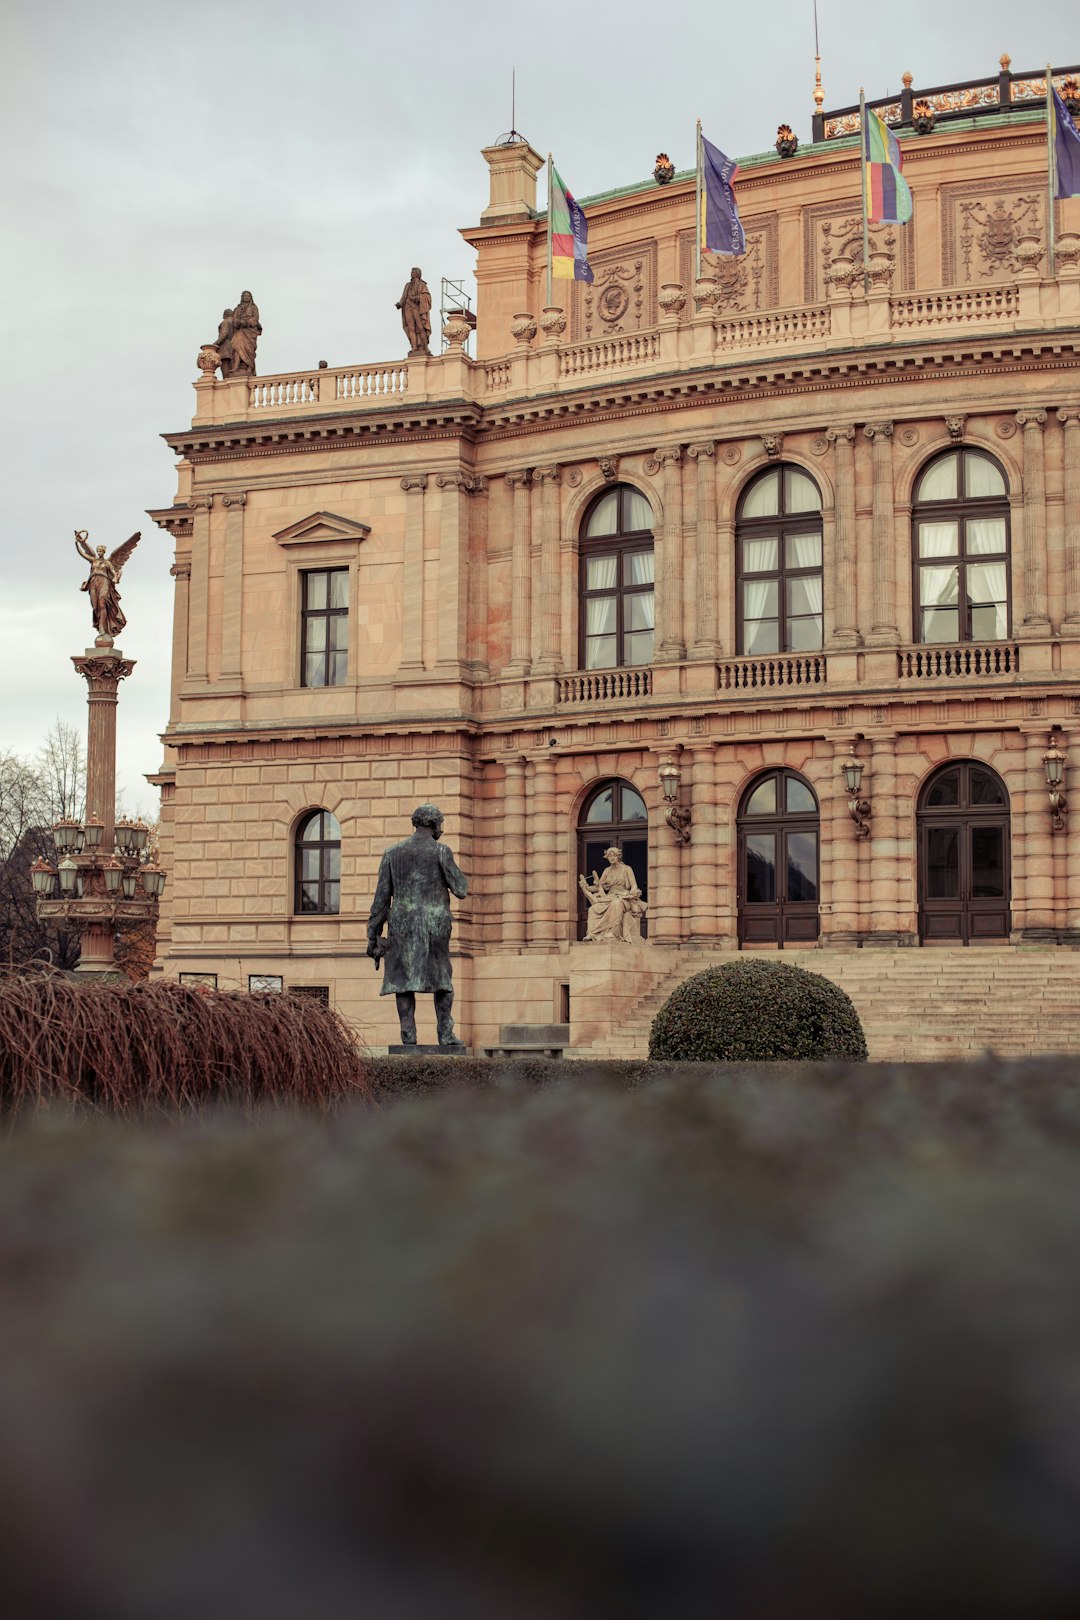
(683, 342)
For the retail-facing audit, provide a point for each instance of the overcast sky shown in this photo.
(159, 158)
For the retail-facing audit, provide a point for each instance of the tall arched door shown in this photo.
(614, 813)
(778, 830)
(963, 836)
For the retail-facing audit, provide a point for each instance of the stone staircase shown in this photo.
(915, 1005)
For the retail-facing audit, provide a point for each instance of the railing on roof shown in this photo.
(969, 98)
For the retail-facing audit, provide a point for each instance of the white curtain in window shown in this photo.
(985, 535)
(986, 582)
(982, 477)
(938, 539)
(804, 550)
(604, 517)
(758, 555)
(759, 598)
(600, 615)
(601, 573)
(811, 585)
(637, 512)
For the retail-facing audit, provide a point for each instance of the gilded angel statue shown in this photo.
(104, 577)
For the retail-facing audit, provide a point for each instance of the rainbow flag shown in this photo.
(569, 234)
(888, 196)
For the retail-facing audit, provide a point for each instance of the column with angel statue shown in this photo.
(104, 577)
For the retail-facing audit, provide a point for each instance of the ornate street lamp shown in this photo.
(858, 808)
(68, 874)
(153, 880)
(112, 871)
(43, 877)
(93, 830)
(1054, 766)
(676, 815)
(68, 835)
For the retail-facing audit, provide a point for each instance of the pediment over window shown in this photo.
(321, 526)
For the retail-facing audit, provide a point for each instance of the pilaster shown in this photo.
(548, 655)
(845, 632)
(672, 648)
(1036, 621)
(412, 626)
(199, 589)
(232, 587)
(884, 631)
(521, 574)
(1069, 417)
(513, 852)
(706, 622)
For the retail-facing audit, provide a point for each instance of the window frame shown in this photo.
(623, 543)
(960, 510)
(783, 525)
(324, 845)
(307, 615)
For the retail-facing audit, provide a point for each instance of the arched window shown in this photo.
(960, 542)
(318, 864)
(617, 590)
(778, 563)
(614, 813)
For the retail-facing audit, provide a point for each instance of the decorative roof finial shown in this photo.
(906, 78)
(1006, 61)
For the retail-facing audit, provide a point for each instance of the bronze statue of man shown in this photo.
(412, 898)
(415, 307)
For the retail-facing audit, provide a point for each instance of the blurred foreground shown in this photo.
(765, 1346)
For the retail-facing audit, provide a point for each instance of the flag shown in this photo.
(569, 234)
(721, 229)
(888, 196)
(1066, 149)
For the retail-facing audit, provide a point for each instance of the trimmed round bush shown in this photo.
(757, 1010)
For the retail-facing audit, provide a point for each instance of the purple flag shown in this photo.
(1066, 150)
(721, 228)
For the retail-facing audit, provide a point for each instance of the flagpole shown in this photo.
(549, 287)
(865, 207)
(697, 197)
(1051, 167)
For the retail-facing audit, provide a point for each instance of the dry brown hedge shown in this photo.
(129, 1048)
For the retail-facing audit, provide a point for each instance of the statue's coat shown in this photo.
(412, 896)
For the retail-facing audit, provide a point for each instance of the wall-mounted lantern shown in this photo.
(1054, 766)
(676, 815)
(858, 808)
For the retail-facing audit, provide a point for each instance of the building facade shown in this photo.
(750, 527)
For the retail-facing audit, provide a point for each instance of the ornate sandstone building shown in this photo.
(727, 545)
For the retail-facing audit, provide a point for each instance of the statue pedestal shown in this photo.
(607, 979)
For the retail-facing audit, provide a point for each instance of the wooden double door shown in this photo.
(963, 843)
(779, 834)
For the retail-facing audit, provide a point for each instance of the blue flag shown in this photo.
(721, 229)
(1066, 149)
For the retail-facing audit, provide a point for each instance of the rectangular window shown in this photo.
(324, 627)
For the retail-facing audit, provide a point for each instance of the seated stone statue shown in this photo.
(615, 904)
